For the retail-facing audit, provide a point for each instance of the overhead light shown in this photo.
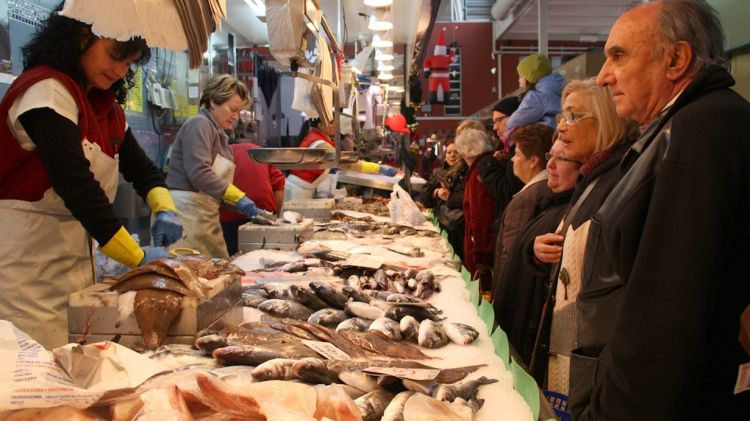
(378, 3)
(382, 67)
(257, 6)
(385, 76)
(383, 55)
(380, 21)
(379, 42)
(396, 89)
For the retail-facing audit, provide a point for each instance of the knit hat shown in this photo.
(534, 67)
(507, 105)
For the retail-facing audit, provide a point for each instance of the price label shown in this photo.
(327, 350)
(417, 374)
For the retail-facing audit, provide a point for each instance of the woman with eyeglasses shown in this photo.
(521, 286)
(529, 161)
(592, 134)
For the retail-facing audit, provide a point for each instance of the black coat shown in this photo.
(522, 284)
(498, 178)
(666, 276)
(456, 183)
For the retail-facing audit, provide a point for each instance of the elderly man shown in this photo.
(666, 278)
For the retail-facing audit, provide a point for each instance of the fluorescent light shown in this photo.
(379, 42)
(383, 55)
(257, 6)
(385, 76)
(396, 88)
(378, 3)
(382, 67)
(380, 20)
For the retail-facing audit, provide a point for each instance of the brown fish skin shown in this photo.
(372, 341)
(147, 268)
(210, 268)
(153, 280)
(254, 355)
(155, 310)
(185, 275)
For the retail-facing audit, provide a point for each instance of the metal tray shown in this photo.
(287, 155)
(347, 157)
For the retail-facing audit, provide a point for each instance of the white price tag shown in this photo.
(417, 374)
(327, 350)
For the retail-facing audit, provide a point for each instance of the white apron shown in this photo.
(47, 255)
(297, 188)
(199, 214)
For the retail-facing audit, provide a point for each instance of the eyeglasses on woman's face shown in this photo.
(559, 158)
(572, 117)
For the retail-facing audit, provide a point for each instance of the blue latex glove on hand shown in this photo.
(166, 229)
(388, 171)
(247, 207)
(153, 253)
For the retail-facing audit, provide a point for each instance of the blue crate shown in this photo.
(559, 403)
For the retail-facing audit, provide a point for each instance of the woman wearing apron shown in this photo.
(201, 167)
(63, 139)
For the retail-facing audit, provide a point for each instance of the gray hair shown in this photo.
(697, 23)
(221, 87)
(472, 143)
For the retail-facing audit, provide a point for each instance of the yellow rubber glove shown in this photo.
(233, 194)
(365, 166)
(159, 199)
(123, 248)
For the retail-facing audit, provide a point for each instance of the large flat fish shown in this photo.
(155, 310)
(152, 280)
(185, 275)
(374, 342)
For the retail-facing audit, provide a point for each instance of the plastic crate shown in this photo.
(559, 403)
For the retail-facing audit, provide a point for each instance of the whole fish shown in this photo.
(387, 327)
(375, 342)
(431, 334)
(354, 294)
(363, 310)
(285, 308)
(278, 291)
(307, 297)
(395, 410)
(155, 310)
(460, 333)
(292, 217)
(356, 324)
(329, 317)
(313, 370)
(372, 405)
(334, 298)
(401, 298)
(359, 380)
(409, 327)
(466, 390)
(398, 312)
(209, 343)
(276, 369)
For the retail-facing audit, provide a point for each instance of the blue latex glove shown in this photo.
(166, 229)
(246, 207)
(388, 171)
(153, 253)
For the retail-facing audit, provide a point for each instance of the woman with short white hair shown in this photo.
(479, 208)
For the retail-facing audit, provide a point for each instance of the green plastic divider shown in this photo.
(444, 233)
(487, 314)
(502, 348)
(526, 387)
(474, 292)
(465, 275)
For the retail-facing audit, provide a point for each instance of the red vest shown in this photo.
(312, 136)
(101, 120)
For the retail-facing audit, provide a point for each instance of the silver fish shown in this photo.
(387, 327)
(431, 334)
(285, 308)
(409, 327)
(460, 333)
(306, 297)
(293, 267)
(334, 298)
(395, 410)
(314, 370)
(424, 387)
(380, 279)
(364, 310)
(276, 369)
(278, 291)
(292, 217)
(373, 404)
(354, 294)
(466, 390)
(354, 282)
(401, 298)
(355, 323)
(328, 317)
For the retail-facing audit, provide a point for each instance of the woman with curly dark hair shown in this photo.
(62, 142)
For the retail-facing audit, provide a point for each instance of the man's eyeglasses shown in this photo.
(572, 117)
(560, 158)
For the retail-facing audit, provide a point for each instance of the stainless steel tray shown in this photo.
(287, 155)
(347, 157)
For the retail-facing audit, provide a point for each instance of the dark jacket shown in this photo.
(667, 275)
(497, 176)
(456, 182)
(479, 212)
(521, 286)
(517, 214)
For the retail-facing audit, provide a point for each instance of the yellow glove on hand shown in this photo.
(233, 194)
(123, 248)
(159, 199)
